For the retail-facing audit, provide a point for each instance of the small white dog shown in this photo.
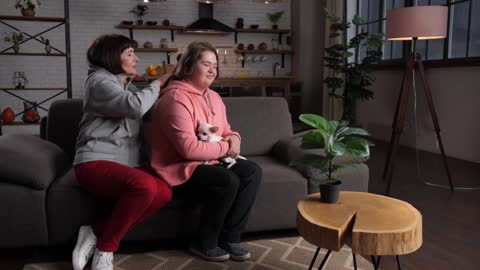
(206, 132)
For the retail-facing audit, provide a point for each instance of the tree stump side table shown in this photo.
(370, 224)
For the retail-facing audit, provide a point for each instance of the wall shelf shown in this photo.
(32, 54)
(32, 19)
(33, 89)
(167, 50)
(282, 52)
(60, 21)
(280, 32)
(20, 124)
(132, 27)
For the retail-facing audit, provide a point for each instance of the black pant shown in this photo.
(227, 195)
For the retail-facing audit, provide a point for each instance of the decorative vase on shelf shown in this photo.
(239, 24)
(28, 12)
(30, 114)
(16, 48)
(48, 47)
(8, 116)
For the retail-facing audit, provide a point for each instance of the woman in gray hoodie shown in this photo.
(107, 159)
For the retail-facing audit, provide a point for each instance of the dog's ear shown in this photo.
(214, 129)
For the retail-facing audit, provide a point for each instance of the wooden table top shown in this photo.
(370, 224)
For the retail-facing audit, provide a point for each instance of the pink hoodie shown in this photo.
(175, 150)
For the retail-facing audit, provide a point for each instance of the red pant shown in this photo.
(138, 195)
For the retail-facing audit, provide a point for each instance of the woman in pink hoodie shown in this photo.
(191, 166)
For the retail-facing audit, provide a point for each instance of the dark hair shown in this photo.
(105, 52)
(191, 56)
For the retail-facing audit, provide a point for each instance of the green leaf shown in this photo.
(340, 128)
(313, 140)
(356, 147)
(315, 121)
(375, 41)
(357, 20)
(355, 131)
(335, 148)
(333, 125)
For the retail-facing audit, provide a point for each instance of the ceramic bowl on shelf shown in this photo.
(254, 26)
(151, 23)
(127, 22)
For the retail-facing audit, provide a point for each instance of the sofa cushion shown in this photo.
(23, 217)
(277, 197)
(30, 161)
(261, 121)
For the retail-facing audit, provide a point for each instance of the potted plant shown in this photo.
(14, 38)
(274, 17)
(27, 7)
(139, 11)
(337, 139)
(351, 76)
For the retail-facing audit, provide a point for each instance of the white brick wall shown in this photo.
(92, 18)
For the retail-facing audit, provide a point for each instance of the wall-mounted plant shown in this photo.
(274, 17)
(139, 11)
(27, 6)
(14, 38)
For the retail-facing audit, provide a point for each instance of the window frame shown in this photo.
(446, 61)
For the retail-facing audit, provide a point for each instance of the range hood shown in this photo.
(206, 24)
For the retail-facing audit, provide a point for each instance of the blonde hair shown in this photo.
(191, 56)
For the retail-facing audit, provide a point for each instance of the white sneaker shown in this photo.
(102, 260)
(84, 248)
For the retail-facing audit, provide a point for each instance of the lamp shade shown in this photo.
(421, 22)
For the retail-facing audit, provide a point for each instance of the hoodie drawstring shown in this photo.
(209, 103)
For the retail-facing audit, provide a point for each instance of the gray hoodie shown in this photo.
(110, 126)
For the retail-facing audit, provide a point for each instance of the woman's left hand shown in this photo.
(234, 143)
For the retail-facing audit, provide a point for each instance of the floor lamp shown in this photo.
(414, 23)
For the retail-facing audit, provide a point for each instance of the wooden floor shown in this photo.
(451, 220)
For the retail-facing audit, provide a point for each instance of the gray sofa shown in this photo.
(42, 204)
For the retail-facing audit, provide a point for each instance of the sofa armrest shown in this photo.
(30, 161)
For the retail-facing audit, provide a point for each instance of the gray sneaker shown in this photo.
(215, 254)
(237, 252)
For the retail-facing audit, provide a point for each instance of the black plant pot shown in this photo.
(275, 26)
(139, 22)
(329, 193)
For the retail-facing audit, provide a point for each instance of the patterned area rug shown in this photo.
(290, 253)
